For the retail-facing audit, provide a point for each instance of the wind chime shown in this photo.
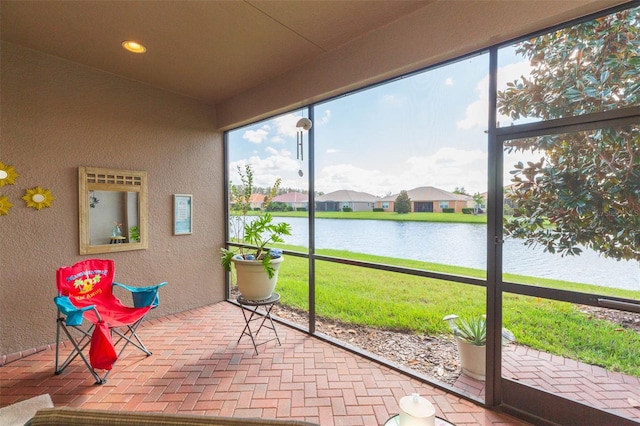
(302, 124)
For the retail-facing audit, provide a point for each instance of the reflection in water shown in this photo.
(461, 245)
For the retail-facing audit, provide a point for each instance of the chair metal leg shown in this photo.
(78, 348)
(129, 335)
(57, 342)
(126, 334)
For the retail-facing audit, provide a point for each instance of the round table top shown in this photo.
(275, 297)
(395, 421)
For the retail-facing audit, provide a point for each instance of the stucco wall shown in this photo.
(56, 116)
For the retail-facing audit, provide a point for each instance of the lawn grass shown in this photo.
(411, 217)
(400, 302)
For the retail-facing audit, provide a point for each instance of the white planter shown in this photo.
(252, 279)
(473, 359)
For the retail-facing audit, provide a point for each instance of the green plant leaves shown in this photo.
(472, 330)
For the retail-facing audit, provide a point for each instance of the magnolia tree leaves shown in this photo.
(585, 189)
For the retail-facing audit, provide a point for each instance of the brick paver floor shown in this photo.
(588, 384)
(198, 367)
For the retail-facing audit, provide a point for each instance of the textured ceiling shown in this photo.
(209, 50)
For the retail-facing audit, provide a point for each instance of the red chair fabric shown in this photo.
(90, 282)
(102, 352)
(89, 314)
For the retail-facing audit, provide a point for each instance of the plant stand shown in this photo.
(251, 313)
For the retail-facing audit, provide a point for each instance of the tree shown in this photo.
(403, 203)
(585, 189)
(460, 191)
(478, 199)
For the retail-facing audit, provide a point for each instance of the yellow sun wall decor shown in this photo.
(38, 198)
(8, 175)
(5, 205)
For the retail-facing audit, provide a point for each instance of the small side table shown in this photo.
(117, 240)
(251, 313)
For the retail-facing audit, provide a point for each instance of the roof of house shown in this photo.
(257, 198)
(430, 193)
(254, 198)
(292, 197)
(349, 196)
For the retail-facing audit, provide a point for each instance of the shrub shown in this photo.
(378, 209)
(467, 210)
(347, 209)
(277, 206)
(448, 210)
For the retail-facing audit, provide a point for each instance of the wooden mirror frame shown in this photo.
(127, 181)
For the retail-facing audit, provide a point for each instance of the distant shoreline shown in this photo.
(411, 217)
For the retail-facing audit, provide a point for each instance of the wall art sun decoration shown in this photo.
(5, 205)
(38, 198)
(8, 175)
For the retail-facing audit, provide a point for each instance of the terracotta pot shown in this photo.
(253, 281)
(473, 359)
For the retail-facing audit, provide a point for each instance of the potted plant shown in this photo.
(471, 336)
(256, 265)
(134, 234)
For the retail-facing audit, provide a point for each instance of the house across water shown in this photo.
(337, 201)
(429, 199)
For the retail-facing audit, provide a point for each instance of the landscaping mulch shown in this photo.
(433, 356)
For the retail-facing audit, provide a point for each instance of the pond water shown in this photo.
(461, 245)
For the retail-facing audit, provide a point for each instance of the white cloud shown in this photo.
(347, 176)
(256, 136)
(477, 114)
(325, 118)
(392, 100)
(446, 169)
(286, 124)
(267, 170)
(332, 151)
(449, 168)
(448, 81)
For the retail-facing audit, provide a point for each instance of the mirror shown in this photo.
(113, 210)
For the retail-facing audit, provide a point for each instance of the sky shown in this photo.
(427, 129)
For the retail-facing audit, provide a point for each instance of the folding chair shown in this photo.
(90, 315)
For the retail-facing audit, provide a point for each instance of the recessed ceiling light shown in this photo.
(133, 46)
